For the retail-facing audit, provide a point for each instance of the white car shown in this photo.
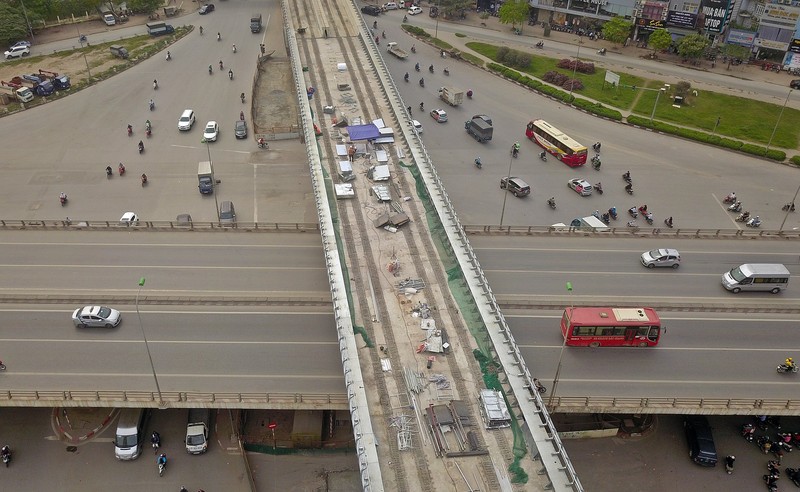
(96, 316)
(666, 257)
(129, 218)
(211, 131)
(414, 10)
(17, 51)
(581, 186)
(439, 115)
(417, 126)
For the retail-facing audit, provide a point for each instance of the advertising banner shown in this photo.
(742, 38)
(649, 24)
(772, 45)
(714, 14)
(794, 46)
(686, 20)
(782, 15)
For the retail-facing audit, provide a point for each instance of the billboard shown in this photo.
(742, 38)
(686, 20)
(781, 15)
(714, 13)
(649, 24)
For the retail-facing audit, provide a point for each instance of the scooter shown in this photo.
(613, 212)
(430, 69)
(130, 130)
(63, 199)
(469, 94)
(601, 51)
(552, 203)
(121, 169)
(422, 82)
(668, 223)
(144, 179)
(540, 44)
(632, 212)
(478, 163)
(599, 187)
(230, 74)
(543, 156)
(629, 189)
(755, 222)
(141, 147)
(446, 71)
(783, 368)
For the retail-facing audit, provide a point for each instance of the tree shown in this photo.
(735, 51)
(146, 6)
(450, 8)
(659, 40)
(12, 24)
(514, 12)
(617, 30)
(692, 46)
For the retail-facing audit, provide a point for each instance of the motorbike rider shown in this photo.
(241, 115)
(130, 129)
(109, 171)
(242, 97)
(405, 18)
(515, 149)
(162, 459)
(234, 48)
(543, 155)
(414, 50)
(551, 201)
(155, 84)
(422, 106)
(430, 68)
(230, 73)
(141, 146)
(405, 77)
(669, 221)
(383, 34)
(219, 36)
(789, 363)
(144, 178)
(422, 82)
(375, 24)
(261, 142)
(210, 69)
(156, 437)
(221, 67)
(121, 169)
(416, 67)
(62, 197)
(5, 452)
(201, 30)
(169, 55)
(629, 187)
(627, 176)
(478, 162)
(729, 461)
(731, 197)
(596, 146)
(147, 125)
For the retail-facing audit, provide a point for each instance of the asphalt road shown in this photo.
(673, 177)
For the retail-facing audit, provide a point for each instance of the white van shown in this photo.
(186, 120)
(109, 19)
(773, 277)
(129, 439)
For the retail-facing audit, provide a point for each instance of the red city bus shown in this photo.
(610, 327)
(557, 143)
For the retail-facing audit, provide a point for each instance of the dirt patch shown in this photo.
(275, 108)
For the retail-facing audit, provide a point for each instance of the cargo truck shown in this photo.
(480, 129)
(205, 177)
(34, 83)
(197, 430)
(451, 95)
(395, 49)
(61, 82)
(16, 91)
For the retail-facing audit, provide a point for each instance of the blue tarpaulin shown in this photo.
(363, 132)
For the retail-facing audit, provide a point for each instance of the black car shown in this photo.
(240, 129)
(207, 9)
(371, 10)
(795, 84)
(701, 442)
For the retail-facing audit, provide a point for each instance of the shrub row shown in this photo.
(795, 160)
(563, 81)
(589, 106)
(416, 31)
(699, 136)
(576, 65)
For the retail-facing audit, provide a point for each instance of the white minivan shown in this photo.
(186, 120)
(773, 277)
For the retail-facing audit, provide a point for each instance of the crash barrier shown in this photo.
(160, 225)
(679, 233)
(366, 442)
(709, 406)
(171, 399)
(538, 429)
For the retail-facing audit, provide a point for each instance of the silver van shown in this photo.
(129, 439)
(227, 214)
(773, 277)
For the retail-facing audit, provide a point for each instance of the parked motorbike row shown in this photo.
(784, 442)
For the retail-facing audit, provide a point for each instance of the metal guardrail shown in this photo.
(662, 405)
(171, 399)
(495, 230)
(160, 225)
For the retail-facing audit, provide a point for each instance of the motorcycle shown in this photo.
(422, 82)
(748, 432)
(632, 212)
(141, 146)
(730, 198)
(743, 217)
(63, 198)
(405, 77)
(262, 144)
(540, 44)
(416, 67)
(596, 147)
(629, 188)
(121, 169)
(130, 130)
(789, 206)
(144, 179)
(478, 163)
(446, 71)
(613, 212)
(230, 74)
(543, 156)
(596, 163)
(783, 368)
(626, 176)
(430, 69)
(109, 172)
(469, 94)
(755, 222)
(599, 188)
(736, 207)
(552, 203)
(601, 51)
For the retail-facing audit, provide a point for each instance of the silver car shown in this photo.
(96, 316)
(661, 258)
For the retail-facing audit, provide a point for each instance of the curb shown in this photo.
(65, 429)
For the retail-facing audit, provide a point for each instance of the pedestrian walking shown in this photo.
(351, 153)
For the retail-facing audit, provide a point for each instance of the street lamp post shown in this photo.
(779, 120)
(561, 354)
(575, 67)
(147, 345)
(789, 208)
(505, 195)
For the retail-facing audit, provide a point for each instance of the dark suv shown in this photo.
(701, 443)
(371, 10)
(795, 84)
(515, 185)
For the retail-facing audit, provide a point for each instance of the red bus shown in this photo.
(610, 327)
(557, 143)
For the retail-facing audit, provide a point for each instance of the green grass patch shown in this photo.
(739, 117)
(594, 86)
